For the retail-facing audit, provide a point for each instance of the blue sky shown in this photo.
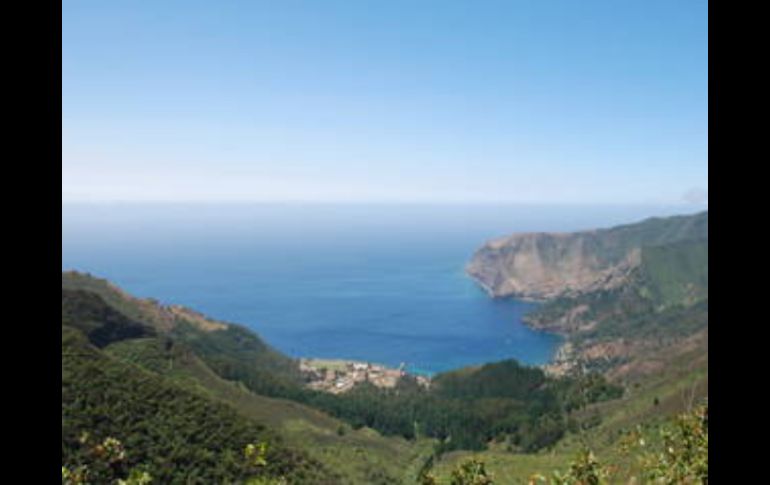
(423, 101)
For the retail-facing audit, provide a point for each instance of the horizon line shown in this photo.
(378, 202)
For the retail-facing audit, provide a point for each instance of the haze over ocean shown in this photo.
(380, 283)
(374, 106)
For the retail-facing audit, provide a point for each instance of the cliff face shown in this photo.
(545, 266)
(613, 293)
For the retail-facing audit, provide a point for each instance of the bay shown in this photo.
(382, 283)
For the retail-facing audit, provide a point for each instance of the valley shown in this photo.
(636, 354)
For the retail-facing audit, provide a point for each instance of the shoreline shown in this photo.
(495, 296)
(559, 358)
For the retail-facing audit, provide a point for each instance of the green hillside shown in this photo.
(170, 363)
(231, 351)
(458, 419)
(649, 334)
(186, 394)
(678, 385)
(676, 274)
(101, 323)
(229, 366)
(656, 231)
(172, 433)
(614, 243)
(358, 456)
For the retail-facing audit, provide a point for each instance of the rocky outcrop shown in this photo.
(572, 320)
(616, 295)
(545, 266)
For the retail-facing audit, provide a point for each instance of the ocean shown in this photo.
(379, 283)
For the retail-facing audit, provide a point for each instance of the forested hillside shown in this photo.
(184, 395)
(129, 362)
(171, 433)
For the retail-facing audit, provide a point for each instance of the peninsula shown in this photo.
(618, 295)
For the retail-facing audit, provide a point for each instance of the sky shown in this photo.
(515, 101)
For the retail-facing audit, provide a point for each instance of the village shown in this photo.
(338, 376)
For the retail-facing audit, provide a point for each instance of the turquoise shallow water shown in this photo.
(382, 284)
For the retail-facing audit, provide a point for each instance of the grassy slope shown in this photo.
(668, 297)
(670, 275)
(614, 243)
(676, 273)
(682, 381)
(232, 351)
(100, 322)
(136, 309)
(361, 456)
(179, 435)
(664, 230)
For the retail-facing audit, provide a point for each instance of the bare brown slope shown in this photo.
(545, 266)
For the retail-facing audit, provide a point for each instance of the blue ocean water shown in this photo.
(379, 283)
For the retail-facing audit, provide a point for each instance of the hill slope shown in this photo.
(231, 350)
(357, 455)
(649, 333)
(553, 265)
(170, 356)
(174, 434)
(616, 294)
(228, 365)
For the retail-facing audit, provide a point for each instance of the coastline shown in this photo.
(487, 289)
(496, 296)
(561, 361)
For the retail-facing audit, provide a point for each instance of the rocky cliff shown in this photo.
(613, 293)
(544, 266)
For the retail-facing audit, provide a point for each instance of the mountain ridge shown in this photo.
(543, 266)
(614, 294)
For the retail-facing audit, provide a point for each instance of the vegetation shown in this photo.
(106, 464)
(663, 302)
(187, 398)
(667, 297)
(462, 410)
(613, 244)
(679, 384)
(470, 472)
(177, 436)
(108, 458)
(360, 456)
(232, 351)
(237, 354)
(678, 456)
(100, 322)
(585, 469)
(682, 456)
(467, 409)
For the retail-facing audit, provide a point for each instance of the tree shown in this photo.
(683, 457)
(680, 458)
(106, 463)
(471, 472)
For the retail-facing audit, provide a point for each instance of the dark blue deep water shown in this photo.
(380, 283)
